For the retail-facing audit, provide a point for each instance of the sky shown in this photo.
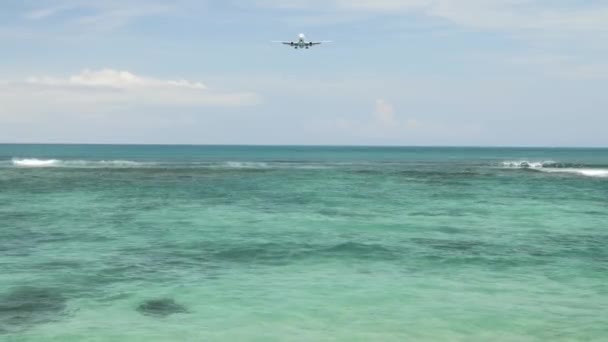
(398, 72)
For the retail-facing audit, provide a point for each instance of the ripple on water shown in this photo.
(449, 244)
(359, 250)
(276, 253)
(24, 307)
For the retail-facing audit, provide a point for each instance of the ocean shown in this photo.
(252, 243)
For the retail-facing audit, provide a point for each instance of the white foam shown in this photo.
(600, 173)
(32, 162)
(553, 167)
(124, 163)
(272, 165)
(100, 164)
(525, 164)
(246, 165)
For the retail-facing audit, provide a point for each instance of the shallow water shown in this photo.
(190, 243)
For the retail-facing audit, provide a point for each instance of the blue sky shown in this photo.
(400, 72)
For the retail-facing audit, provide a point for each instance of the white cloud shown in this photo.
(536, 15)
(585, 72)
(383, 122)
(114, 79)
(567, 67)
(542, 16)
(97, 15)
(521, 15)
(108, 90)
(111, 15)
(478, 14)
(385, 113)
(385, 117)
(42, 13)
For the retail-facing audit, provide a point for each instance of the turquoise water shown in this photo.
(193, 243)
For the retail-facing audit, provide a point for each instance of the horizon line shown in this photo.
(306, 145)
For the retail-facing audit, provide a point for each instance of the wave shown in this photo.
(219, 165)
(35, 162)
(555, 167)
(41, 163)
(550, 166)
(524, 164)
(245, 165)
(601, 173)
(274, 165)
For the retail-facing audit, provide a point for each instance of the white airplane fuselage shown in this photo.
(301, 43)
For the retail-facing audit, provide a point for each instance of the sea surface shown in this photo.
(217, 243)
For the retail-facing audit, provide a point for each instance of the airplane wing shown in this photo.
(282, 42)
(321, 42)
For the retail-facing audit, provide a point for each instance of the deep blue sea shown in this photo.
(236, 243)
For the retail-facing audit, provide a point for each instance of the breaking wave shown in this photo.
(524, 164)
(245, 165)
(273, 165)
(34, 163)
(548, 166)
(219, 165)
(601, 173)
(555, 167)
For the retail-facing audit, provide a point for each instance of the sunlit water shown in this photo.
(159, 243)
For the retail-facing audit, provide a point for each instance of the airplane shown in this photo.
(301, 43)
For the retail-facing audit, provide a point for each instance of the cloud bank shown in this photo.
(113, 79)
(100, 90)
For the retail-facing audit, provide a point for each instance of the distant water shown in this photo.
(187, 243)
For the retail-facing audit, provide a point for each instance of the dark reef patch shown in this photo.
(449, 245)
(26, 306)
(60, 264)
(270, 253)
(161, 307)
(360, 250)
(280, 254)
